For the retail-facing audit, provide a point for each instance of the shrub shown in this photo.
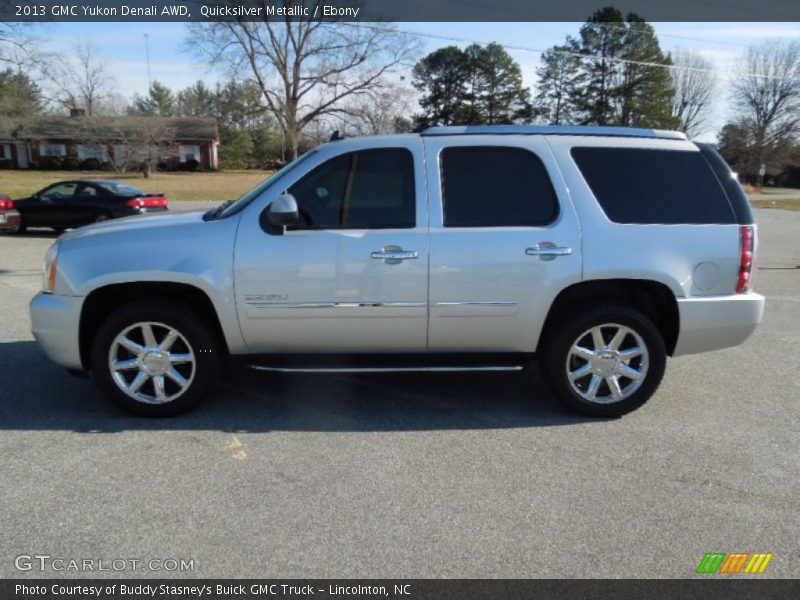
(91, 164)
(191, 165)
(70, 163)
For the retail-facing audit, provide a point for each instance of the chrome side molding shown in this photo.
(260, 304)
(477, 303)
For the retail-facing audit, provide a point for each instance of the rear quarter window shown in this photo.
(646, 186)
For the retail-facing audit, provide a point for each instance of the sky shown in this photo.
(172, 63)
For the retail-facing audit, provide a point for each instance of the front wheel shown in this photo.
(155, 358)
(605, 362)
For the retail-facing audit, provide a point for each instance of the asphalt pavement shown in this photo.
(408, 476)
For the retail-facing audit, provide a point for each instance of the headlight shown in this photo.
(49, 268)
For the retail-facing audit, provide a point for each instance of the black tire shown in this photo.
(570, 329)
(198, 336)
(102, 218)
(22, 228)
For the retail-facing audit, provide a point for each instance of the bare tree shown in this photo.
(380, 112)
(138, 143)
(306, 69)
(83, 82)
(695, 85)
(767, 98)
(18, 46)
(143, 142)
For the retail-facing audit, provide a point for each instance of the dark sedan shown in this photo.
(69, 204)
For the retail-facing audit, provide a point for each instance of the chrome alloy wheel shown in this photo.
(607, 363)
(152, 362)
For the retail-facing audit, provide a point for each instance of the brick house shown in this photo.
(50, 141)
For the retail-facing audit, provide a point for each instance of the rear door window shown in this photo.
(645, 186)
(87, 191)
(495, 186)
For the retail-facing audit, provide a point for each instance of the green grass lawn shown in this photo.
(214, 186)
(784, 203)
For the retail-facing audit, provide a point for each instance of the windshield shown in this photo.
(238, 205)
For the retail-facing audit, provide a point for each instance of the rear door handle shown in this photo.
(548, 249)
(393, 255)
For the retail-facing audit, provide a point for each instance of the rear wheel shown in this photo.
(102, 218)
(155, 358)
(605, 362)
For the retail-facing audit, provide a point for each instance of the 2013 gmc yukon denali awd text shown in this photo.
(599, 250)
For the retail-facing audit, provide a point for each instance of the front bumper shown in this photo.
(55, 323)
(715, 322)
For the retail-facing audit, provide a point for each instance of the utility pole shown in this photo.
(147, 52)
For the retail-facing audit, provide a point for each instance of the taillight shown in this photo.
(746, 248)
(147, 202)
(6, 204)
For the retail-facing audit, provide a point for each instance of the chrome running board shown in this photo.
(420, 369)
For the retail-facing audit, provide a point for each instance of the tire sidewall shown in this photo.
(567, 334)
(177, 315)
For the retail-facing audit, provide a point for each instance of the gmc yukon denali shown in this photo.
(598, 251)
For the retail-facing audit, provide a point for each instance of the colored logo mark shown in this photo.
(733, 563)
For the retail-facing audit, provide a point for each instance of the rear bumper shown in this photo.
(55, 323)
(716, 322)
(9, 220)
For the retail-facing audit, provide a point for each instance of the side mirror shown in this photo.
(282, 213)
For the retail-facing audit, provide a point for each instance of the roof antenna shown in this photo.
(336, 136)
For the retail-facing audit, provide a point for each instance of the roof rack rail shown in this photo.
(595, 130)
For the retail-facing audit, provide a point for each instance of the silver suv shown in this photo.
(599, 250)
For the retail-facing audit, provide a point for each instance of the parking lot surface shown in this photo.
(409, 476)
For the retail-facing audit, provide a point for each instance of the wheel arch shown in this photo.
(653, 298)
(102, 301)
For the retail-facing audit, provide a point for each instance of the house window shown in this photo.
(5, 151)
(96, 151)
(189, 152)
(52, 150)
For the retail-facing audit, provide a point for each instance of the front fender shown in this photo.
(192, 252)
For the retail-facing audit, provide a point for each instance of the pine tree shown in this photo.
(618, 81)
(601, 41)
(197, 100)
(500, 96)
(559, 82)
(441, 78)
(19, 96)
(480, 84)
(644, 96)
(160, 101)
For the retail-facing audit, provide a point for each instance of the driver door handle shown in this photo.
(548, 249)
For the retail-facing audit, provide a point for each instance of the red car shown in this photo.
(9, 216)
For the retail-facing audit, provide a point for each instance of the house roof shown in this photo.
(77, 128)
